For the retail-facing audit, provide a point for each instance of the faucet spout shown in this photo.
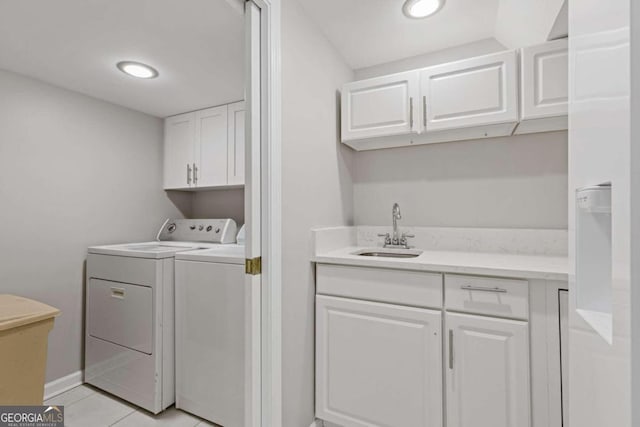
(395, 215)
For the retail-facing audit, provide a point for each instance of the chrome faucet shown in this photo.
(395, 216)
(396, 240)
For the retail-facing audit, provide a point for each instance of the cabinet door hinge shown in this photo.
(253, 266)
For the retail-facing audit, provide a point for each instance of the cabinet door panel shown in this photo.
(377, 364)
(179, 140)
(487, 372)
(545, 74)
(473, 92)
(236, 143)
(211, 138)
(381, 106)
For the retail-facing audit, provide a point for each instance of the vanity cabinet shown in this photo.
(377, 364)
(487, 374)
(205, 148)
(382, 106)
(378, 347)
(398, 347)
(544, 89)
(487, 352)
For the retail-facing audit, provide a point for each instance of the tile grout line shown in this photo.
(133, 411)
(75, 401)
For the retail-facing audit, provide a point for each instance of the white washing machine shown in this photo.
(210, 334)
(129, 330)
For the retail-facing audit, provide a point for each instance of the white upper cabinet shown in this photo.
(179, 155)
(205, 149)
(468, 99)
(473, 92)
(235, 148)
(211, 141)
(381, 106)
(544, 87)
(487, 372)
(378, 364)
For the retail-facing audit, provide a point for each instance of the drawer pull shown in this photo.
(117, 293)
(483, 289)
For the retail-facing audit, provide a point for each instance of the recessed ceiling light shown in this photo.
(421, 8)
(137, 69)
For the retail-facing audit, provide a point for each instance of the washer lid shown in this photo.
(224, 254)
(154, 250)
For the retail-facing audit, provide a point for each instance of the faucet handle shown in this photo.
(403, 240)
(387, 238)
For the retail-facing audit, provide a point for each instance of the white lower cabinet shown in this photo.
(487, 372)
(378, 364)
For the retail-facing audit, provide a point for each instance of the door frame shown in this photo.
(270, 214)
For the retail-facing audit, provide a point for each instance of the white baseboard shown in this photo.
(317, 423)
(59, 386)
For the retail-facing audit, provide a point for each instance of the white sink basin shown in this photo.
(389, 253)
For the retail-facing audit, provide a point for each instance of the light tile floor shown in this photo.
(85, 406)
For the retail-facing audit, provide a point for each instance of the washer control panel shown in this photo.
(199, 230)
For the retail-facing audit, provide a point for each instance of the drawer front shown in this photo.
(484, 295)
(412, 288)
(123, 269)
(121, 313)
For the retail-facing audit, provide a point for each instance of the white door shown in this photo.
(545, 75)
(472, 92)
(381, 106)
(211, 145)
(487, 372)
(378, 364)
(235, 143)
(253, 224)
(179, 137)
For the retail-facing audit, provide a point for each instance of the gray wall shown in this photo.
(480, 47)
(219, 204)
(74, 172)
(518, 181)
(316, 190)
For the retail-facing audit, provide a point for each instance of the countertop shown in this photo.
(544, 267)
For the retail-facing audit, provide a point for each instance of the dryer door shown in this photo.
(121, 314)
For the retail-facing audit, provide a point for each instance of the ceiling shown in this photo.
(196, 45)
(372, 32)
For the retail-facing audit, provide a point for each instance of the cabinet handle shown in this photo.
(481, 289)
(195, 174)
(411, 113)
(188, 174)
(117, 293)
(424, 111)
(450, 348)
